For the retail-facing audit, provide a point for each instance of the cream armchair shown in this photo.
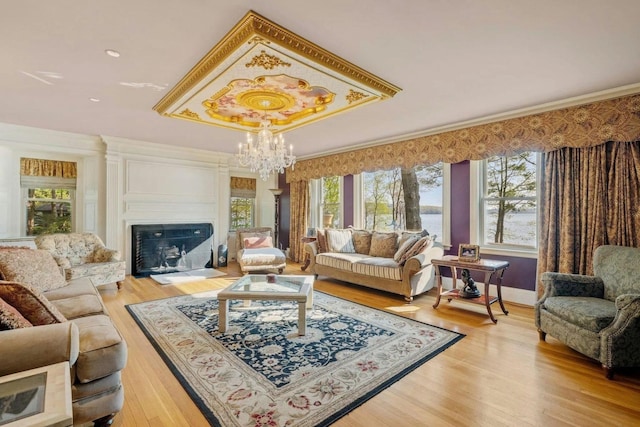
(84, 255)
(256, 251)
(599, 315)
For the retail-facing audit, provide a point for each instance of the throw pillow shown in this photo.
(362, 241)
(248, 234)
(404, 245)
(258, 242)
(340, 241)
(30, 303)
(322, 241)
(10, 318)
(383, 245)
(33, 267)
(419, 246)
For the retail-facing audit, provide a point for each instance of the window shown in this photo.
(242, 203)
(384, 200)
(48, 210)
(331, 206)
(508, 201)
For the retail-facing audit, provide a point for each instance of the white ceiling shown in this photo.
(455, 60)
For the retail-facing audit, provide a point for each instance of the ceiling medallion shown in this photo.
(246, 68)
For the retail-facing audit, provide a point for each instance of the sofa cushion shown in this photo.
(262, 257)
(322, 241)
(81, 286)
(339, 260)
(33, 267)
(361, 241)
(386, 268)
(383, 245)
(77, 248)
(406, 242)
(340, 241)
(10, 318)
(257, 232)
(592, 314)
(79, 306)
(102, 349)
(419, 246)
(30, 303)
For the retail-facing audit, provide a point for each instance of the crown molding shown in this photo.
(37, 139)
(603, 95)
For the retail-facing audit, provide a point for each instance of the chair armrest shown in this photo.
(571, 285)
(620, 341)
(624, 302)
(29, 348)
(311, 248)
(62, 262)
(106, 255)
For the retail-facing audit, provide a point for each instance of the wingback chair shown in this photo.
(84, 255)
(599, 315)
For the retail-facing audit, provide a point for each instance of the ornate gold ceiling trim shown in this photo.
(254, 27)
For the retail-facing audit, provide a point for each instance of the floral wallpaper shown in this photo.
(579, 126)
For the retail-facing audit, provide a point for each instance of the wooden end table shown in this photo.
(491, 269)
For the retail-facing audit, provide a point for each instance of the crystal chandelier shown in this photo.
(266, 153)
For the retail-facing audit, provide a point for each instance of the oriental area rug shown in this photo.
(262, 373)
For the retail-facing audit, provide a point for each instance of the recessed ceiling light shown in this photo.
(94, 100)
(113, 53)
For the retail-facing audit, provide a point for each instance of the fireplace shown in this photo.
(168, 248)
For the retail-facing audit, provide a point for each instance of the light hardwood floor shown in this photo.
(498, 375)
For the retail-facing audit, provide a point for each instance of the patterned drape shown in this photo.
(580, 126)
(299, 191)
(51, 168)
(243, 187)
(590, 198)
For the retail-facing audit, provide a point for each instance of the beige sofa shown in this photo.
(45, 320)
(405, 273)
(84, 255)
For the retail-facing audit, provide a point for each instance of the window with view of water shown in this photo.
(509, 201)
(49, 210)
(409, 199)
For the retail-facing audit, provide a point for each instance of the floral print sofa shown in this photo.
(399, 263)
(599, 315)
(84, 255)
(45, 319)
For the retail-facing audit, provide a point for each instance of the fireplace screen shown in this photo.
(167, 248)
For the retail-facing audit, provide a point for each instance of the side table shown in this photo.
(491, 269)
(37, 397)
(307, 257)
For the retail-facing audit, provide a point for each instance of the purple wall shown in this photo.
(285, 212)
(347, 198)
(521, 273)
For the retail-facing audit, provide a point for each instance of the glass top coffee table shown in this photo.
(255, 287)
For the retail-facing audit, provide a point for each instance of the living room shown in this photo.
(183, 174)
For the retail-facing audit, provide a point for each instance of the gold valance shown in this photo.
(579, 126)
(243, 187)
(51, 168)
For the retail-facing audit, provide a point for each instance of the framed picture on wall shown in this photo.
(468, 253)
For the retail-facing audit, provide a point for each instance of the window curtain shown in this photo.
(299, 192)
(590, 198)
(35, 173)
(243, 187)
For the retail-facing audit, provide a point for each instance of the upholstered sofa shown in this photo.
(256, 251)
(599, 315)
(45, 320)
(84, 255)
(399, 263)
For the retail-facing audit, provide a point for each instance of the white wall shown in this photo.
(124, 182)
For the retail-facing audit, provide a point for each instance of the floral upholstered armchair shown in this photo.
(256, 251)
(84, 255)
(599, 315)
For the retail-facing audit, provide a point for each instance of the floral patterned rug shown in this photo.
(261, 373)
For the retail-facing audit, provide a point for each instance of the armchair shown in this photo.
(256, 251)
(599, 315)
(84, 255)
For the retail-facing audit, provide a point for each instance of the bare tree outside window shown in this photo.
(510, 200)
